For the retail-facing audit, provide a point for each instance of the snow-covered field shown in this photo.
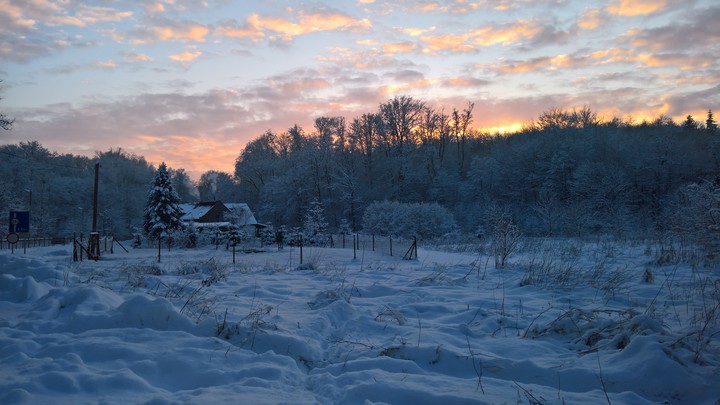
(566, 323)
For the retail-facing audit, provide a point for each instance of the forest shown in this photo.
(567, 173)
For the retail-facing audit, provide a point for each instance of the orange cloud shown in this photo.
(108, 64)
(507, 34)
(399, 88)
(399, 47)
(240, 32)
(154, 7)
(414, 32)
(188, 33)
(185, 56)
(591, 19)
(630, 8)
(452, 43)
(308, 23)
(138, 57)
(367, 42)
(182, 32)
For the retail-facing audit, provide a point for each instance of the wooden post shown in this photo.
(354, 247)
(159, 247)
(301, 252)
(233, 253)
(390, 245)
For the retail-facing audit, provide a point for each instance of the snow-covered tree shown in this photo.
(710, 123)
(162, 212)
(424, 220)
(314, 225)
(5, 121)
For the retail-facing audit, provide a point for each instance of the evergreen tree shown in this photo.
(690, 123)
(162, 212)
(710, 124)
(314, 226)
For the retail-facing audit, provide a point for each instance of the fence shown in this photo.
(30, 242)
(358, 243)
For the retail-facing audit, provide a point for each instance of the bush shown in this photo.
(424, 220)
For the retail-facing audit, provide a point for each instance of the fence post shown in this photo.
(390, 245)
(301, 252)
(354, 247)
(373, 241)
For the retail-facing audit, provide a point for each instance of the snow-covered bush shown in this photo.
(424, 220)
(693, 216)
(505, 234)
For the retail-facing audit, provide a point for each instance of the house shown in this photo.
(203, 212)
(222, 216)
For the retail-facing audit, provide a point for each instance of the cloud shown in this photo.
(134, 57)
(449, 42)
(505, 34)
(591, 19)
(630, 8)
(414, 32)
(106, 64)
(310, 21)
(232, 29)
(701, 29)
(399, 47)
(465, 82)
(185, 56)
(171, 31)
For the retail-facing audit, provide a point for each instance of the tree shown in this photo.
(184, 186)
(400, 115)
(5, 121)
(314, 225)
(690, 123)
(506, 236)
(460, 123)
(162, 212)
(710, 124)
(218, 186)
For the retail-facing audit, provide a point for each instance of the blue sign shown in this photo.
(19, 221)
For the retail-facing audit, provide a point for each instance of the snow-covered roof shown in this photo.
(243, 213)
(193, 212)
(239, 214)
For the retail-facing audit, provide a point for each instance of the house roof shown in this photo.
(194, 212)
(244, 215)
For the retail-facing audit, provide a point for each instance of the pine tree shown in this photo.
(690, 123)
(710, 124)
(162, 212)
(314, 226)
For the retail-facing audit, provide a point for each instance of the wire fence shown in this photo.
(26, 243)
(358, 243)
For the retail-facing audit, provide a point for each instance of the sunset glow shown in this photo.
(190, 83)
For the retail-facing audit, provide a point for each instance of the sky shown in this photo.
(190, 82)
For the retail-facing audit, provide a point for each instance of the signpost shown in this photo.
(19, 223)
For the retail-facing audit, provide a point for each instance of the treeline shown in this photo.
(566, 173)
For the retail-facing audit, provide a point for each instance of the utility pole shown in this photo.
(94, 235)
(95, 198)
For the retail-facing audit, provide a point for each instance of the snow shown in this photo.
(447, 328)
